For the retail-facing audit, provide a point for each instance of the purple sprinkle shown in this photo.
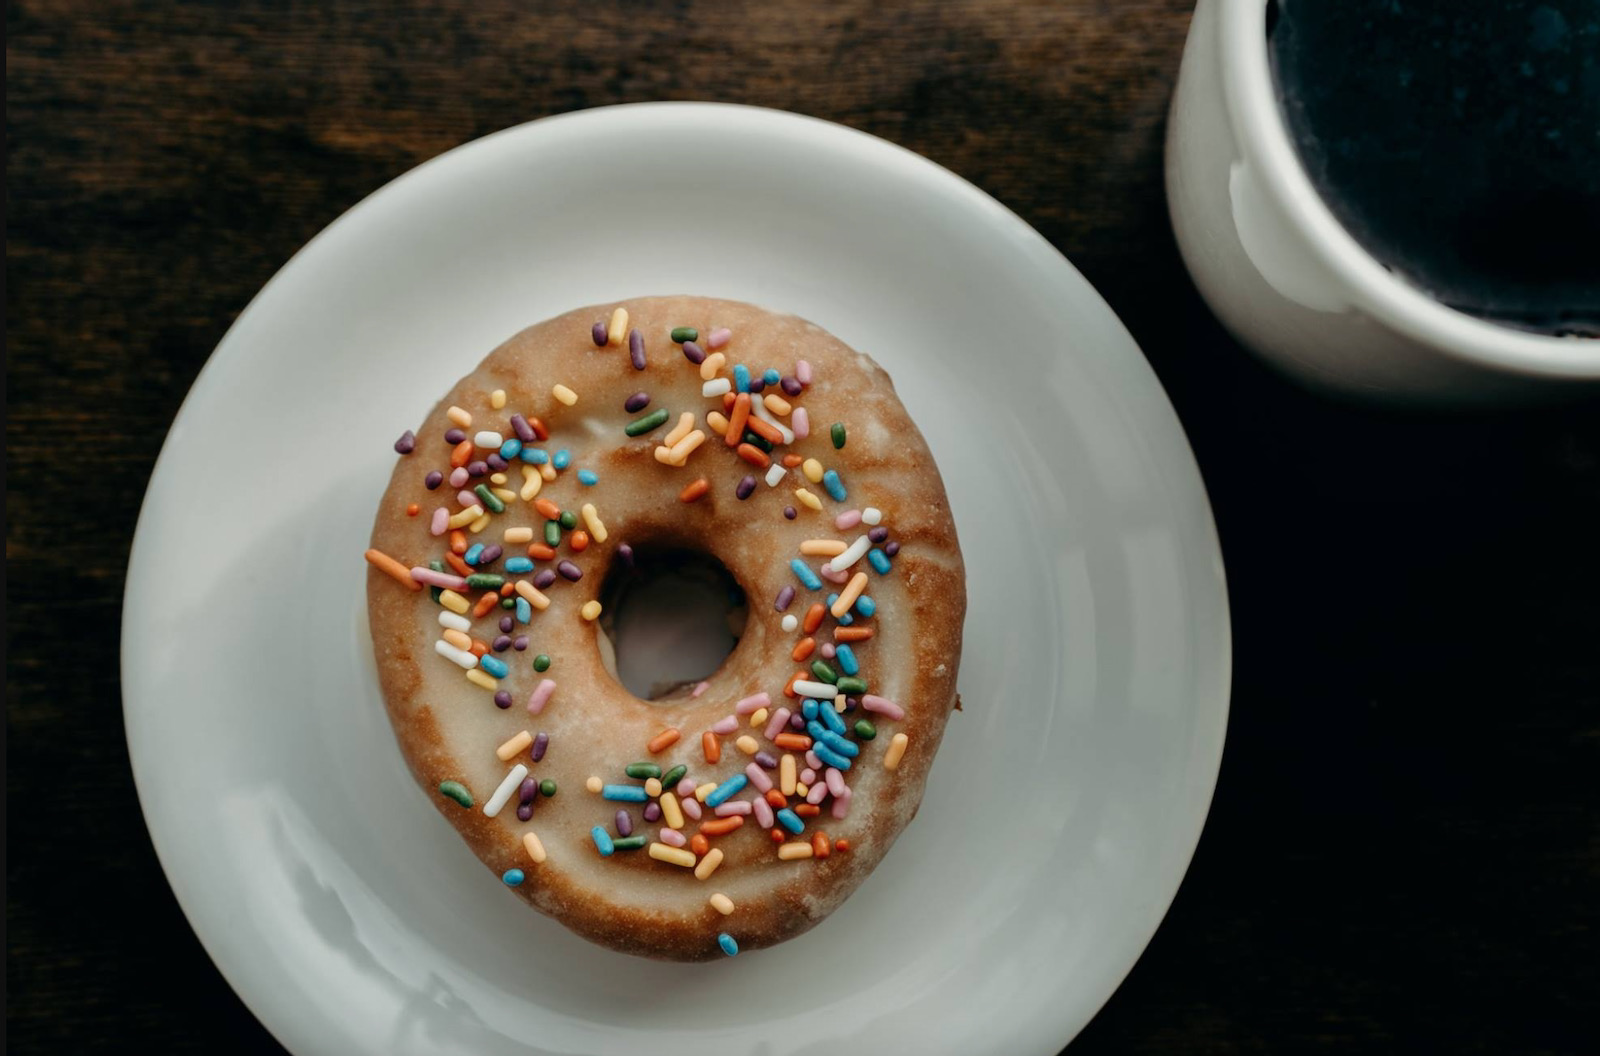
(626, 553)
(851, 703)
(528, 791)
(797, 722)
(502, 699)
(407, 443)
(636, 348)
(540, 743)
(501, 643)
(624, 823)
(525, 812)
(785, 599)
(478, 469)
(506, 623)
(454, 436)
(496, 463)
(757, 383)
(878, 534)
(652, 812)
(524, 431)
(599, 333)
(892, 549)
(637, 402)
(766, 761)
(791, 385)
(746, 488)
(570, 571)
(693, 353)
(790, 513)
(544, 578)
(520, 642)
(433, 480)
(491, 554)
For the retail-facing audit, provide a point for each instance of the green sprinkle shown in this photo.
(485, 581)
(541, 662)
(490, 500)
(547, 788)
(642, 770)
(677, 773)
(852, 686)
(569, 520)
(865, 730)
(508, 603)
(434, 592)
(824, 673)
(552, 533)
(456, 791)
(680, 334)
(654, 420)
(756, 440)
(629, 843)
(836, 430)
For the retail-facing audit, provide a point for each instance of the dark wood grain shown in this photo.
(1404, 851)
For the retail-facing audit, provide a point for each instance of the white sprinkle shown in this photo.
(460, 657)
(759, 409)
(503, 793)
(454, 622)
(716, 387)
(871, 515)
(775, 474)
(819, 690)
(790, 622)
(853, 553)
(488, 438)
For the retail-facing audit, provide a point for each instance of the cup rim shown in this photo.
(1263, 140)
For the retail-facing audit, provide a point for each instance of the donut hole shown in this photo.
(669, 621)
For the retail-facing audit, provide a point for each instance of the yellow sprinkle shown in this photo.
(823, 547)
(759, 718)
(719, 901)
(812, 469)
(712, 366)
(497, 479)
(531, 483)
(664, 455)
(453, 601)
(705, 790)
(717, 421)
(479, 677)
(479, 525)
(677, 855)
(652, 788)
(459, 416)
(564, 394)
(708, 864)
(847, 597)
(777, 404)
(536, 597)
(547, 471)
(786, 775)
(503, 494)
(617, 332)
(896, 752)
(685, 447)
(457, 639)
(518, 535)
(594, 784)
(793, 850)
(535, 849)
(671, 813)
(748, 745)
(681, 430)
(808, 500)
(592, 521)
(497, 399)
(838, 703)
(801, 789)
(466, 516)
(514, 746)
(590, 610)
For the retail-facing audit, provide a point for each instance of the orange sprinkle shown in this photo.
(699, 844)
(736, 420)
(721, 826)
(769, 433)
(727, 402)
(806, 810)
(460, 566)
(485, 603)
(805, 648)
(790, 461)
(541, 552)
(547, 509)
(842, 846)
(579, 541)
(777, 799)
(663, 740)
(695, 490)
(461, 454)
(792, 742)
(392, 568)
(752, 454)
(458, 541)
(413, 510)
(852, 634)
(777, 835)
(540, 432)
(813, 618)
(788, 690)
(711, 746)
(478, 648)
(819, 845)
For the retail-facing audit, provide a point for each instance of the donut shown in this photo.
(739, 808)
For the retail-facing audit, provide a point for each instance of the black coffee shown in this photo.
(1459, 142)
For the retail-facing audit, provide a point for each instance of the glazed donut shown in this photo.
(735, 811)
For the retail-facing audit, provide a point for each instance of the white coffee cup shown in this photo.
(1286, 278)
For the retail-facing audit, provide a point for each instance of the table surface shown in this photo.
(1404, 849)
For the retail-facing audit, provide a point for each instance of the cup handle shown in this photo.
(1276, 249)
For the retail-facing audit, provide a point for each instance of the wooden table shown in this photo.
(1404, 849)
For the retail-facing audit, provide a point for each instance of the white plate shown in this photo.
(1066, 800)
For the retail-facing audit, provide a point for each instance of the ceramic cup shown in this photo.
(1286, 278)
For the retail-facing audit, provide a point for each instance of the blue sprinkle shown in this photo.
(727, 790)
(826, 737)
(879, 561)
(524, 611)
(865, 606)
(741, 378)
(625, 793)
(808, 708)
(494, 666)
(512, 877)
(830, 718)
(790, 820)
(729, 947)
(525, 564)
(535, 455)
(602, 841)
(562, 459)
(473, 553)
(511, 449)
(771, 376)
(835, 486)
(842, 653)
(589, 477)
(829, 756)
(803, 572)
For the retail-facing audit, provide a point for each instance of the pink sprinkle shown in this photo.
(732, 807)
(800, 422)
(802, 372)
(672, 837)
(883, 706)
(466, 498)
(459, 477)
(701, 688)
(441, 521)
(813, 762)
(847, 520)
(718, 337)
(816, 793)
(752, 704)
(776, 725)
(686, 789)
(827, 573)
(759, 778)
(691, 807)
(438, 579)
(763, 813)
(808, 774)
(725, 725)
(541, 696)
(841, 804)
(835, 782)
(829, 650)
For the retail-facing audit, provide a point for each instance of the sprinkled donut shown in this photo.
(740, 810)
